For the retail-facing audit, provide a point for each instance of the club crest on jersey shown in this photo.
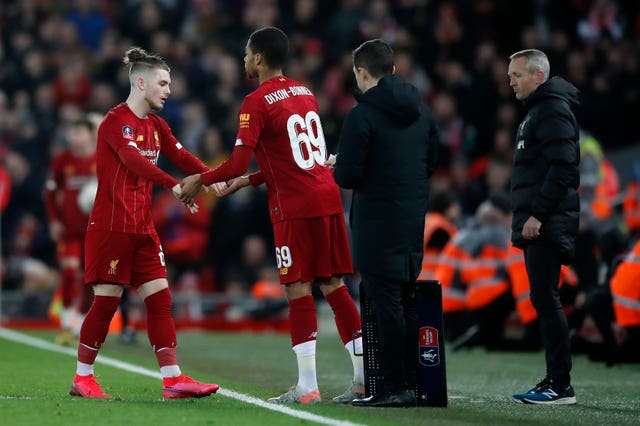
(127, 132)
(429, 350)
(113, 267)
(284, 271)
(156, 139)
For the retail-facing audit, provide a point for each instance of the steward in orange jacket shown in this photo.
(472, 265)
(599, 182)
(439, 228)
(625, 290)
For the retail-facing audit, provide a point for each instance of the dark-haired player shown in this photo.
(280, 123)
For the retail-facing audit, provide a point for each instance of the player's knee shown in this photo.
(105, 307)
(328, 286)
(159, 304)
(297, 290)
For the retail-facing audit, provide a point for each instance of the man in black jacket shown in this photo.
(546, 208)
(386, 155)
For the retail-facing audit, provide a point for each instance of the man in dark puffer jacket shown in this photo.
(386, 155)
(546, 208)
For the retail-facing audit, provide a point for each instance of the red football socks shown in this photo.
(96, 326)
(86, 293)
(346, 313)
(303, 321)
(68, 283)
(162, 329)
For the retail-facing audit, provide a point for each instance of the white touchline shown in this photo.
(48, 346)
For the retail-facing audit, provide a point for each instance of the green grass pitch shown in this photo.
(34, 385)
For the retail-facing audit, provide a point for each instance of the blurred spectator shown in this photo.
(72, 85)
(439, 228)
(631, 202)
(456, 136)
(5, 188)
(234, 218)
(472, 272)
(625, 293)
(598, 180)
(487, 176)
(306, 21)
(342, 32)
(60, 59)
(603, 20)
(89, 20)
(413, 73)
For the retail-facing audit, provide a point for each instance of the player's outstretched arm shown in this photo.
(189, 188)
(230, 169)
(177, 192)
(223, 189)
(140, 166)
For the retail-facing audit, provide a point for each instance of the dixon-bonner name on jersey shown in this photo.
(281, 94)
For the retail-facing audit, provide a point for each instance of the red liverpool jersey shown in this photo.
(123, 200)
(68, 175)
(280, 121)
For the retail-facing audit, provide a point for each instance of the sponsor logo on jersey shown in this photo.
(244, 120)
(150, 155)
(113, 267)
(127, 132)
(429, 350)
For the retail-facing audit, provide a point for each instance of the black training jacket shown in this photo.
(386, 155)
(546, 173)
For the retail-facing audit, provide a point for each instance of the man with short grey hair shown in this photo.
(546, 208)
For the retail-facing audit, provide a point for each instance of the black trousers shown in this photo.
(393, 303)
(543, 270)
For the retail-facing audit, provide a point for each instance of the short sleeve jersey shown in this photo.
(280, 121)
(123, 199)
(69, 173)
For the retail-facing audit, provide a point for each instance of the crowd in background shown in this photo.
(62, 59)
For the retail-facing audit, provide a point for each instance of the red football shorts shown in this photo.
(307, 249)
(122, 258)
(70, 247)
